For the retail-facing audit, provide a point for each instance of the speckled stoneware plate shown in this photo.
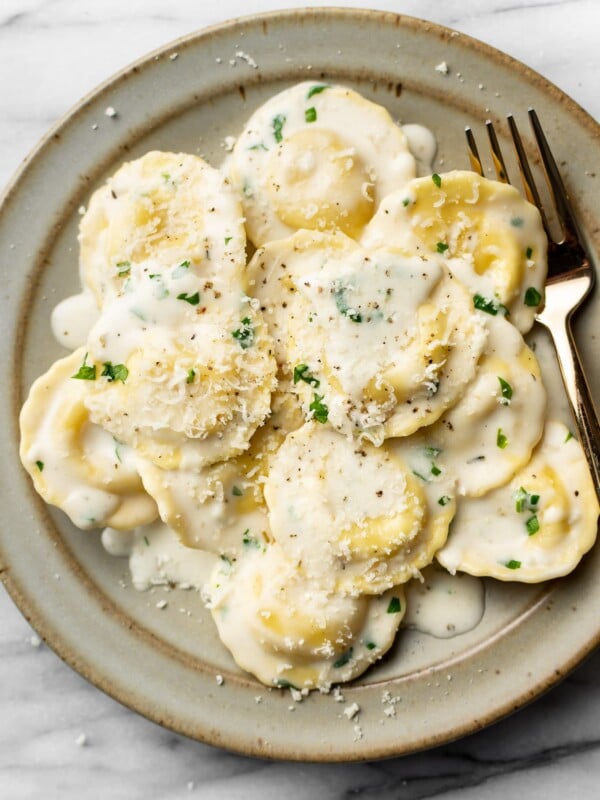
(163, 664)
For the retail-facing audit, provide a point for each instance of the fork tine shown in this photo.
(497, 158)
(557, 187)
(474, 158)
(529, 185)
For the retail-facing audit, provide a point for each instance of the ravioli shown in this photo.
(492, 238)
(295, 632)
(199, 368)
(536, 527)
(363, 541)
(170, 207)
(492, 430)
(384, 341)
(221, 508)
(74, 464)
(320, 157)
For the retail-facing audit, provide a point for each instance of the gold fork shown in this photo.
(570, 275)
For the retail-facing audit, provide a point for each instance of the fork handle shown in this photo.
(580, 397)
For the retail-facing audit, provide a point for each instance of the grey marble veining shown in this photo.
(62, 738)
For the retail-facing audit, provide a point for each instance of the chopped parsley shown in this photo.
(525, 501)
(434, 470)
(532, 525)
(436, 179)
(394, 606)
(146, 541)
(501, 439)
(517, 222)
(444, 500)
(249, 541)
(310, 114)
(114, 372)
(419, 475)
(319, 409)
(490, 306)
(40, 465)
(529, 252)
(532, 297)
(341, 302)
(506, 390)
(343, 659)
(301, 373)
(236, 491)
(441, 247)
(86, 372)
(192, 299)
(317, 89)
(432, 451)
(568, 436)
(512, 564)
(278, 123)
(123, 268)
(370, 645)
(228, 239)
(406, 202)
(259, 146)
(191, 376)
(244, 334)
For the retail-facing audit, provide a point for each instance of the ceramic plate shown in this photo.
(189, 96)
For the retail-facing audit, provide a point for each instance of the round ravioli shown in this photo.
(382, 341)
(351, 513)
(493, 239)
(184, 368)
(320, 157)
(221, 508)
(172, 207)
(491, 432)
(75, 464)
(294, 632)
(534, 528)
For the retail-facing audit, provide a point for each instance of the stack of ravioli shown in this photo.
(320, 417)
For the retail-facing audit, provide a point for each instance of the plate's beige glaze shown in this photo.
(163, 663)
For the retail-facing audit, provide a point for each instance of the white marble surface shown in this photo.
(62, 738)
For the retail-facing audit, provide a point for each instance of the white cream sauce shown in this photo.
(423, 146)
(117, 543)
(444, 605)
(73, 318)
(158, 558)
